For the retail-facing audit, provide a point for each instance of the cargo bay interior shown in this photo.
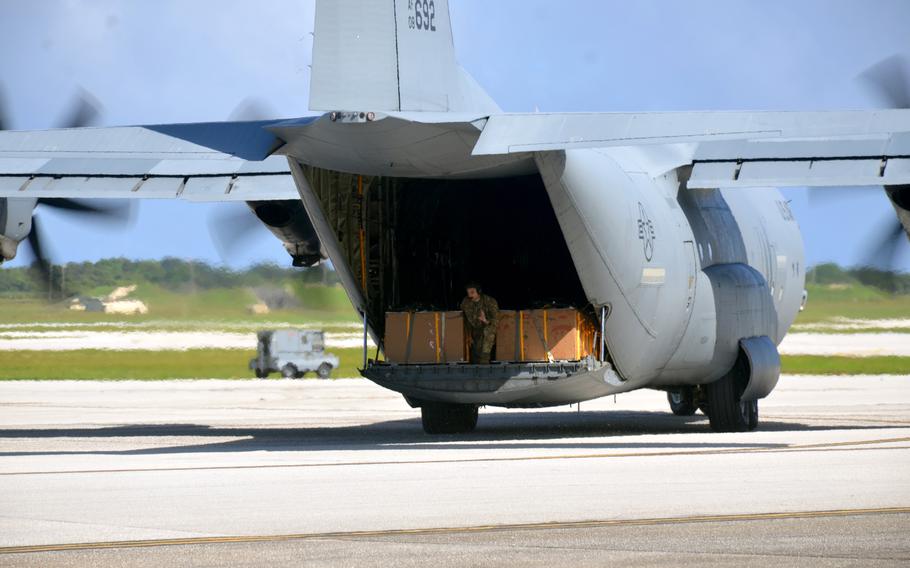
(412, 244)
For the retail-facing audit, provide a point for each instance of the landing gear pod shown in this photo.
(764, 366)
(733, 399)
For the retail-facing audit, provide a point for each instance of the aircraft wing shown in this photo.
(727, 149)
(223, 161)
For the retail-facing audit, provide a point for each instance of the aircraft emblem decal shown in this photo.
(646, 232)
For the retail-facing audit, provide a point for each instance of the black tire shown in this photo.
(441, 418)
(324, 371)
(289, 371)
(261, 374)
(726, 410)
(682, 401)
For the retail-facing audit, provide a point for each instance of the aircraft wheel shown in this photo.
(289, 371)
(682, 401)
(324, 371)
(441, 418)
(261, 374)
(726, 410)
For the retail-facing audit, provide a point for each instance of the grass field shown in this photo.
(209, 307)
(827, 303)
(330, 304)
(146, 365)
(823, 365)
(232, 364)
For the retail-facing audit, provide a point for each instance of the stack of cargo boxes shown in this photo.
(544, 335)
(563, 334)
(425, 338)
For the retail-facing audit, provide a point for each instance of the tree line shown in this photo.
(176, 274)
(884, 280)
(78, 278)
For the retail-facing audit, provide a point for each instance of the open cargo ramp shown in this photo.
(514, 385)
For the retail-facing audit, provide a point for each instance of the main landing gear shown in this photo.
(726, 409)
(721, 401)
(445, 418)
(683, 401)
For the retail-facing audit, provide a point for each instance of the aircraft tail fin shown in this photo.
(389, 55)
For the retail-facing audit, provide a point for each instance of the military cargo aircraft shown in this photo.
(666, 227)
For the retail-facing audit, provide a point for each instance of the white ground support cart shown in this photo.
(293, 353)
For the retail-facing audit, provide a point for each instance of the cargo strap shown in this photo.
(410, 333)
(542, 335)
(577, 335)
(519, 337)
(436, 337)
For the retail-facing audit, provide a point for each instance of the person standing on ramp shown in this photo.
(481, 313)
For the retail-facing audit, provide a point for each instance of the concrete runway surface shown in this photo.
(207, 473)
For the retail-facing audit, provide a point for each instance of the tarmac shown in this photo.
(339, 473)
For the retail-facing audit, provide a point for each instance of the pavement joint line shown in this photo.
(847, 443)
(32, 549)
(838, 419)
(728, 451)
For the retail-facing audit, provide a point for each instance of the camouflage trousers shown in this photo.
(482, 341)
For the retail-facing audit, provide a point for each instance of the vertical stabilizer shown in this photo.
(387, 55)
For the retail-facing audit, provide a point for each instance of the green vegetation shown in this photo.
(211, 307)
(146, 365)
(862, 293)
(853, 301)
(176, 291)
(233, 364)
(886, 281)
(829, 365)
(324, 299)
(93, 278)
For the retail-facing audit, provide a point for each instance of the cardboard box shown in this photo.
(508, 343)
(394, 344)
(563, 334)
(454, 339)
(424, 338)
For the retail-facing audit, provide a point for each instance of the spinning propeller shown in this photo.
(889, 82)
(83, 111)
(233, 225)
(889, 79)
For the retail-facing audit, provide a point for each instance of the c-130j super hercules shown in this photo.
(659, 226)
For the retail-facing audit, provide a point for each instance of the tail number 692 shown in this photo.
(422, 15)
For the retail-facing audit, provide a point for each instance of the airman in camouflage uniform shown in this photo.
(481, 313)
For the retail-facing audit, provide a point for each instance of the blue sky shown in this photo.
(185, 61)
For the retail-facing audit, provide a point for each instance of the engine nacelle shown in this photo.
(289, 221)
(900, 198)
(15, 224)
